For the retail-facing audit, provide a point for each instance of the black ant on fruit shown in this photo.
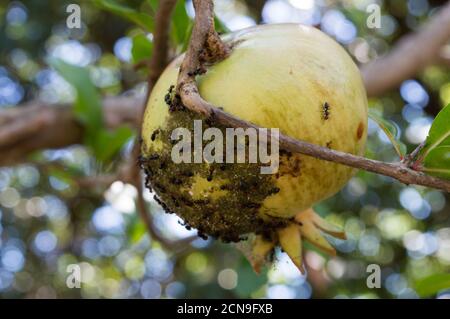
(326, 111)
(168, 96)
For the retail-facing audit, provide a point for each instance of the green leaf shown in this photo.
(141, 19)
(153, 4)
(136, 230)
(109, 143)
(181, 24)
(88, 110)
(249, 281)
(187, 37)
(87, 107)
(439, 134)
(391, 130)
(62, 175)
(220, 26)
(432, 284)
(357, 16)
(437, 162)
(142, 48)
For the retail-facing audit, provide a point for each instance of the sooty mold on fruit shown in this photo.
(221, 200)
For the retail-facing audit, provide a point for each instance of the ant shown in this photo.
(326, 111)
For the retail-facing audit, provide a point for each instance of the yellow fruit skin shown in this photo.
(281, 76)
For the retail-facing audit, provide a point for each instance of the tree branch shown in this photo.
(411, 55)
(205, 46)
(32, 127)
(36, 126)
(158, 63)
(192, 100)
(160, 54)
(129, 171)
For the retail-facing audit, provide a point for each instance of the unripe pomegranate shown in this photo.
(287, 76)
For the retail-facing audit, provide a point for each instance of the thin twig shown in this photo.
(157, 64)
(205, 46)
(36, 123)
(410, 158)
(405, 59)
(385, 73)
(129, 171)
(191, 99)
(144, 213)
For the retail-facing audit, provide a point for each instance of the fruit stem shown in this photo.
(204, 35)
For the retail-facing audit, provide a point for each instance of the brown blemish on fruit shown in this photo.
(320, 89)
(289, 164)
(360, 130)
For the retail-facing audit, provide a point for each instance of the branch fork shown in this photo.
(206, 47)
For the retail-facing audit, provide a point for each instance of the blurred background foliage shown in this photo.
(48, 221)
